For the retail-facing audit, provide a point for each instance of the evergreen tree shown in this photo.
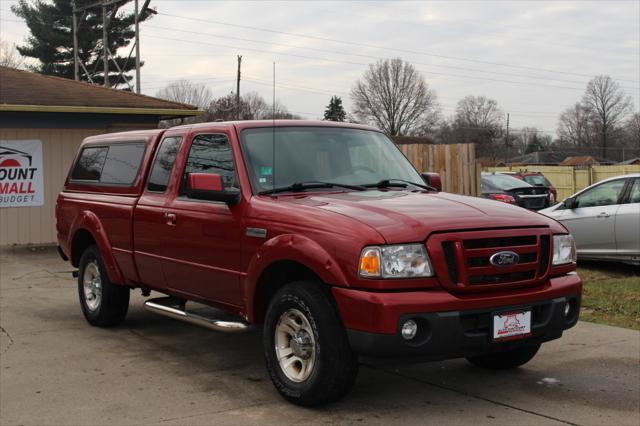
(535, 145)
(335, 111)
(51, 39)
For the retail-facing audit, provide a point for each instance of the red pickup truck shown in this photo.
(321, 233)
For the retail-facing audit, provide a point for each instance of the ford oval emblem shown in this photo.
(504, 258)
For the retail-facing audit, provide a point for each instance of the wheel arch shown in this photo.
(86, 231)
(282, 260)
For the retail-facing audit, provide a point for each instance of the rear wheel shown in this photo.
(306, 348)
(103, 303)
(505, 360)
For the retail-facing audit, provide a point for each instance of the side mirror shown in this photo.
(570, 203)
(432, 179)
(208, 186)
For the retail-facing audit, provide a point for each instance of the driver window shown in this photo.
(211, 154)
(605, 194)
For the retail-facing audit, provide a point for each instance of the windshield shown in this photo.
(504, 182)
(537, 180)
(322, 154)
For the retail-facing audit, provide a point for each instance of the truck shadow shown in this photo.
(381, 386)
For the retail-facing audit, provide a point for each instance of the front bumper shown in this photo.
(452, 326)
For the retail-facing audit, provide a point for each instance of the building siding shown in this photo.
(36, 225)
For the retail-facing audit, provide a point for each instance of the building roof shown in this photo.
(631, 161)
(581, 160)
(553, 158)
(31, 92)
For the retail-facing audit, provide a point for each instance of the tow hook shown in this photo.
(74, 273)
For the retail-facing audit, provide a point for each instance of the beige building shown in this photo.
(59, 113)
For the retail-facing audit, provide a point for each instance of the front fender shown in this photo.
(295, 248)
(90, 222)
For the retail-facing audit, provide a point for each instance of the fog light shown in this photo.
(409, 330)
(567, 309)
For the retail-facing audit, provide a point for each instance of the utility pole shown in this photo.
(238, 89)
(138, 85)
(105, 49)
(76, 66)
(507, 142)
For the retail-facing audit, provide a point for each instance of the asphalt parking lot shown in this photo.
(56, 369)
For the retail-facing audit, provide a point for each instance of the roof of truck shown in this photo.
(278, 123)
(125, 136)
(240, 125)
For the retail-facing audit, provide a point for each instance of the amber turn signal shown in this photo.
(370, 262)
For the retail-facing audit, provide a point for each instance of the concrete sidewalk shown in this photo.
(56, 369)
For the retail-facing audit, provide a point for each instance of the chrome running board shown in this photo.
(176, 309)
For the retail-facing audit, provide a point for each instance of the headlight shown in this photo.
(564, 249)
(396, 261)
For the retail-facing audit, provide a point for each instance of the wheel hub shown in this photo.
(301, 345)
(92, 285)
(295, 345)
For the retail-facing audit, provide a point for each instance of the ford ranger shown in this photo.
(324, 236)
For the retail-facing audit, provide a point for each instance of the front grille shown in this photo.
(501, 278)
(467, 258)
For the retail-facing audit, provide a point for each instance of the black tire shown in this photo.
(113, 305)
(512, 358)
(335, 365)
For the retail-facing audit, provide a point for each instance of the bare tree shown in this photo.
(187, 92)
(608, 105)
(479, 120)
(394, 96)
(524, 139)
(252, 107)
(479, 112)
(9, 56)
(255, 107)
(633, 132)
(575, 127)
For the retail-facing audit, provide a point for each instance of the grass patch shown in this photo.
(611, 294)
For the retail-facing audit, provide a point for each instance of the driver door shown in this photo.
(592, 222)
(201, 242)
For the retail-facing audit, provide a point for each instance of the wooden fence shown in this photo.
(456, 164)
(569, 180)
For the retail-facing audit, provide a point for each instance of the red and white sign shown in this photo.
(21, 181)
(511, 325)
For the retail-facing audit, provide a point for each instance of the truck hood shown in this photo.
(404, 216)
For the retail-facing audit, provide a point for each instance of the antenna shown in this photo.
(273, 142)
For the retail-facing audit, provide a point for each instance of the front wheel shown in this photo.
(505, 360)
(103, 303)
(306, 348)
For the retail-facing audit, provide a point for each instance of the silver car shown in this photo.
(604, 219)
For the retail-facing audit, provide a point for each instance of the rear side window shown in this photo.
(163, 164)
(90, 163)
(116, 164)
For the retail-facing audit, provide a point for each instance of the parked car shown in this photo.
(535, 179)
(604, 219)
(321, 233)
(510, 190)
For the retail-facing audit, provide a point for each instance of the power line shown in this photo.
(386, 48)
(372, 46)
(262, 51)
(368, 56)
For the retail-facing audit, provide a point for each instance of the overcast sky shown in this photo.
(534, 58)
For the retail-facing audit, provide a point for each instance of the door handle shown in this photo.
(603, 215)
(170, 218)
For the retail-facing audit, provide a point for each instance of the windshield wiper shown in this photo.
(398, 183)
(303, 186)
